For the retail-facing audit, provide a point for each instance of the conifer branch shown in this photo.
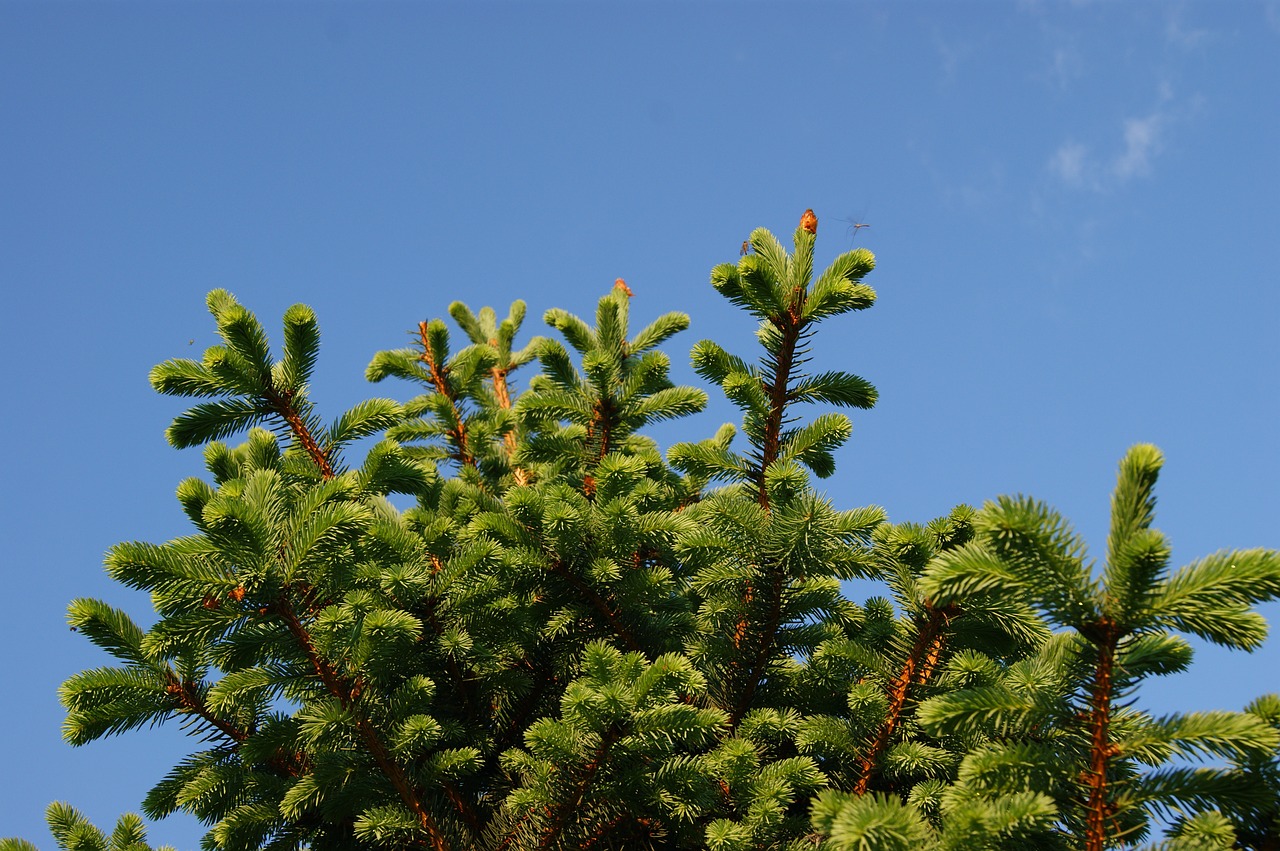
(543, 680)
(347, 695)
(502, 392)
(561, 813)
(755, 673)
(916, 670)
(600, 429)
(602, 831)
(462, 807)
(189, 700)
(1105, 635)
(778, 391)
(438, 378)
(282, 405)
(498, 374)
(599, 603)
(461, 680)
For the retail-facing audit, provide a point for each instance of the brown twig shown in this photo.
(347, 694)
(1098, 808)
(599, 603)
(560, 814)
(439, 378)
(502, 392)
(281, 402)
(764, 651)
(916, 669)
(778, 391)
(790, 325)
(188, 699)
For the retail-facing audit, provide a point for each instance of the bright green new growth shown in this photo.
(577, 418)
(1065, 709)
(776, 288)
(569, 641)
(73, 832)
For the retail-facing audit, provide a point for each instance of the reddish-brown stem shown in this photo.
(460, 805)
(500, 390)
(764, 651)
(932, 656)
(601, 428)
(599, 603)
(188, 699)
(916, 669)
(790, 326)
(1098, 807)
(778, 390)
(601, 832)
(347, 695)
(282, 403)
(439, 379)
(560, 813)
(503, 393)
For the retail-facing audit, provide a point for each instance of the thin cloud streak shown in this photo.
(1142, 138)
(1141, 141)
(1068, 162)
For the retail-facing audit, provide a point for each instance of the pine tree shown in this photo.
(570, 641)
(1065, 718)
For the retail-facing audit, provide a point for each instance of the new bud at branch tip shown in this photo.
(809, 222)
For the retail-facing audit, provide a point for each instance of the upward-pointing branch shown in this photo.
(1098, 807)
(282, 405)
(916, 669)
(346, 691)
(440, 379)
(778, 389)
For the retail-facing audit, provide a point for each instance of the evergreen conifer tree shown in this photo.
(571, 641)
(1063, 722)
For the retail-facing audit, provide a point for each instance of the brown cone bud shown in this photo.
(622, 285)
(809, 222)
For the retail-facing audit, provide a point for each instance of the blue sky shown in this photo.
(1073, 206)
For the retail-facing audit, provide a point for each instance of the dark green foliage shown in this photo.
(569, 641)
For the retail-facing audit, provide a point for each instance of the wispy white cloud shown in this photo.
(1066, 66)
(1141, 142)
(952, 52)
(1068, 162)
(1178, 34)
(1133, 155)
(1271, 11)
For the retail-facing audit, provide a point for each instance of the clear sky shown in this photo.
(1074, 207)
